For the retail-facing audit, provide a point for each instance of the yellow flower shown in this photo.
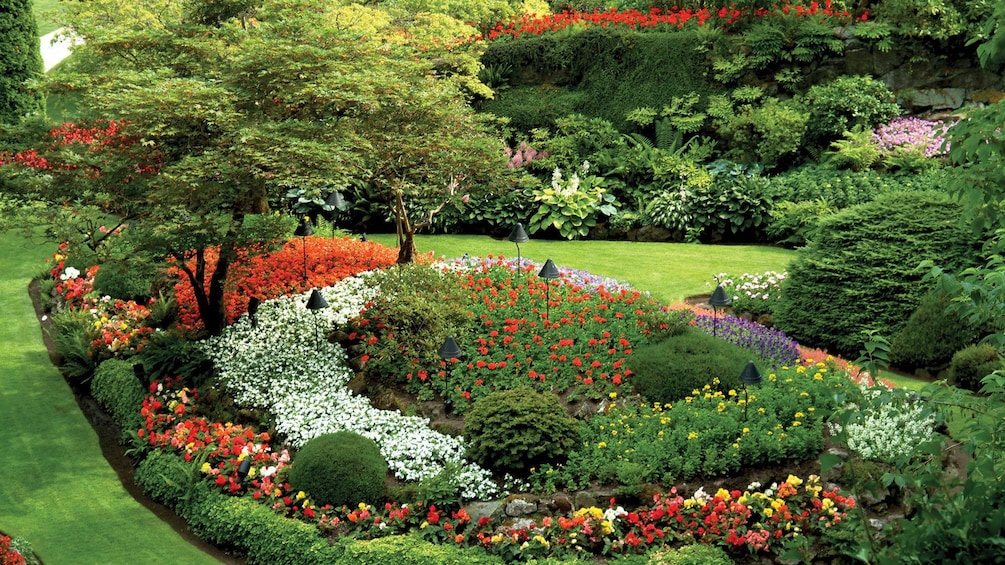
(794, 480)
(425, 525)
(800, 415)
(746, 430)
(540, 539)
(613, 395)
(768, 512)
(732, 392)
(206, 467)
(362, 506)
(602, 445)
(692, 435)
(301, 495)
(722, 494)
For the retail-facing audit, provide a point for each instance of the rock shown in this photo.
(520, 507)
(559, 504)
(478, 510)
(584, 500)
(933, 98)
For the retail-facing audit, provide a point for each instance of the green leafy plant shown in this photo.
(515, 430)
(793, 224)
(119, 392)
(571, 206)
(856, 151)
(342, 468)
(671, 370)
(846, 102)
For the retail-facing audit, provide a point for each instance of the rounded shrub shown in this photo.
(861, 272)
(511, 431)
(931, 336)
(971, 364)
(671, 370)
(846, 102)
(119, 392)
(341, 468)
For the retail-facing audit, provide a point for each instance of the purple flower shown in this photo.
(769, 344)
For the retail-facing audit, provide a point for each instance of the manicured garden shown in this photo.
(652, 331)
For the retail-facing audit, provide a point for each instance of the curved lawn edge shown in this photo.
(59, 492)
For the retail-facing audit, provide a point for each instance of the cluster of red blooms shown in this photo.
(97, 135)
(8, 555)
(281, 272)
(675, 18)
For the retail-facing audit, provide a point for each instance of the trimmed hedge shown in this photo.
(410, 550)
(342, 468)
(119, 392)
(931, 335)
(861, 272)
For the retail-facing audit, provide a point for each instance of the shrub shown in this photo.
(886, 425)
(669, 371)
(130, 282)
(793, 224)
(694, 554)
(514, 430)
(844, 188)
(167, 478)
(973, 363)
(846, 102)
(759, 131)
(531, 107)
(931, 335)
(410, 550)
(119, 392)
(342, 468)
(170, 354)
(861, 273)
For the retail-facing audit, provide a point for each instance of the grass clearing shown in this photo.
(46, 12)
(59, 491)
(671, 272)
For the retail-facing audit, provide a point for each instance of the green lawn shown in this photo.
(44, 10)
(670, 271)
(58, 491)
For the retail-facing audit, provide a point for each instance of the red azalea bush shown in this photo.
(531, 24)
(281, 273)
(95, 136)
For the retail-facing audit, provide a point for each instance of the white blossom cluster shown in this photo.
(285, 365)
(888, 431)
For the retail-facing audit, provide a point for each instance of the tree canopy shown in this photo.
(20, 60)
(221, 108)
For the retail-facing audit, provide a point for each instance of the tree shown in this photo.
(225, 107)
(20, 60)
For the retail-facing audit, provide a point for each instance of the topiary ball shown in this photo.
(671, 370)
(971, 364)
(511, 431)
(341, 469)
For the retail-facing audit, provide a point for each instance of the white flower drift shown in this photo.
(887, 431)
(279, 366)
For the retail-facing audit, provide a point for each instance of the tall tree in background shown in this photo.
(20, 60)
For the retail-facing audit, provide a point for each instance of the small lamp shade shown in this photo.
(449, 350)
(719, 298)
(244, 468)
(304, 229)
(750, 374)
(363, 237)
(253, 303)
(335, 200)
(316, 301)
(549, 270)
(519, 235)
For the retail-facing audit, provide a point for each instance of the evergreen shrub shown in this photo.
(412, 550)
(671, 370)
(511, 431)
(973, 363)
(845, 103)
(125, 282)
(841, 188)
(20, 61)
(931, 335)
(861, 273)
(341, 469)
(119, 392)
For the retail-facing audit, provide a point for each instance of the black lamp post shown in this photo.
(336, 203)
(548, 271)
(314, 303)
(243, 469)
(749, 376)
(302, 231)
(518, 236)
(449, 352)
(253, 303)
(718, 300)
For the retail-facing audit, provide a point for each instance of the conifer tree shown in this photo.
(20, 60)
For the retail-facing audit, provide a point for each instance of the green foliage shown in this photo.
(845, 103)
(512, 431)
(127, 282)
(932, 335)
(694, 554)
(759, 130)
(731, 207)
(571, 206)
(844, 188)
(861, 271)
(971, 364)
(992, 50)
(412, 550)
(170, 480)
(856, 151)
(342, 468)
(255, 530)
(530, 107)
(418, 308)
(779, 40)
(169, 354)
(793, 224)
(119, 392)
(978, 151)
(932, 19)
(20, 61)
(669, 371)
(72, 337)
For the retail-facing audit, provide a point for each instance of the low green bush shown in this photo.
(412, 550)
(119, 392)
(931, 335)
(694, 554)
(341, 468)
(843, 188)
(511, 431)
(793, 224)
(168, 479)
(669, 371)
(530, 107)
(845, 103)
(253, 529)
(861, 273)
(973, 363)
(71, 334)
(126, 282)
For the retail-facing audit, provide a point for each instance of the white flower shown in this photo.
(69, 273)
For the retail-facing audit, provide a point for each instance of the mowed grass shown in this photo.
(45, 15)
(671, 272)
(58, 490)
